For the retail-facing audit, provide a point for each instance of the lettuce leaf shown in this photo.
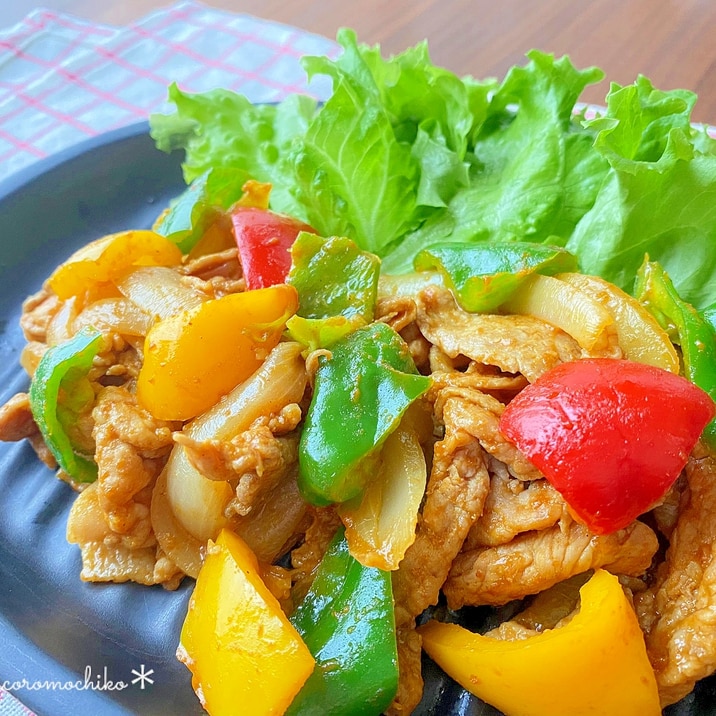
(220, 128)
(659, 196)
(534, 171)
(406, 155)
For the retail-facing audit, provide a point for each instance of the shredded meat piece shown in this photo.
(418, 346)
(666, 514)
(111, 557)
(308, 555)
(478, 377)
(677, 612)
(17, 423)
(454, 500)
(118, 363)
(32, 355)
(131, 449)
(224, 264)
(277, 521)
(400, 312)
(484, 418)
(38, 311)
(511, 631)
(267, 510)
(278, 581)
(513, 507)
(256, 457)
(397, 311)
(515, 344)
(535, 561)
(261, 467)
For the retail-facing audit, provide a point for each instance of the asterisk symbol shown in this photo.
(142, 676)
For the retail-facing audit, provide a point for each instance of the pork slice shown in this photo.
(482, 412)
(38, 310)
(131, 450)
(515, 344)
(108, 556)
(17, 423)
(514, 507)
(455, 495)
(678, 612)
(535, 561)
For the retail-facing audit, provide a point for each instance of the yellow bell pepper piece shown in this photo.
(596, 664)
(196, 356)
(244, 654)
(96, 267)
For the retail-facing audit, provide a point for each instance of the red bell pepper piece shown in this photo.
(264, 240)
(610, 435)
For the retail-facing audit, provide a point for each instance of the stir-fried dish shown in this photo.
(431, 345)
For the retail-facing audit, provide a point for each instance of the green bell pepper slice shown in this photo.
(690, 329)
(59, 393)
(360, 393)
(333, 277)
(483, 276)
(199, 205)
(347, 621)
(315, 333)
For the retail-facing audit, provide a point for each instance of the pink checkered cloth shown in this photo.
(63, 79)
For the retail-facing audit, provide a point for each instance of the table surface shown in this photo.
(670, 41)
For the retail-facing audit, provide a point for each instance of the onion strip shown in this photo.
(198, 502)
(160, 291)
(181, 548)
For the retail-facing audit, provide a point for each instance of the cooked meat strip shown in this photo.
(278, 581)
(666, 514)
(677, 611)
(307, 556)
(119, 362)
(131, 449)
(224, 264)
(515, 344)
(255, 458)
(511, 631)
(410, 677)
(397, 311)
(484, 419)
(514, 507)
(534, 561)
(276, 521)
(111, 557)
(454, 500)
(478, 377)
(17, 423)
(38, 310)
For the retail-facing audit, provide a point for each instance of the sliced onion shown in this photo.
(198, 502)
(570, 309)
(408, 285)
(269, 530)
(380, 526)
(114, 315)
(183, 549)
(641, 338)
(159, 291)
(59, 328)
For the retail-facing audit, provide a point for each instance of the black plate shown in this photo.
(54, 628)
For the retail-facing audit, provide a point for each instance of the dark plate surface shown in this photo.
(53, 627)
